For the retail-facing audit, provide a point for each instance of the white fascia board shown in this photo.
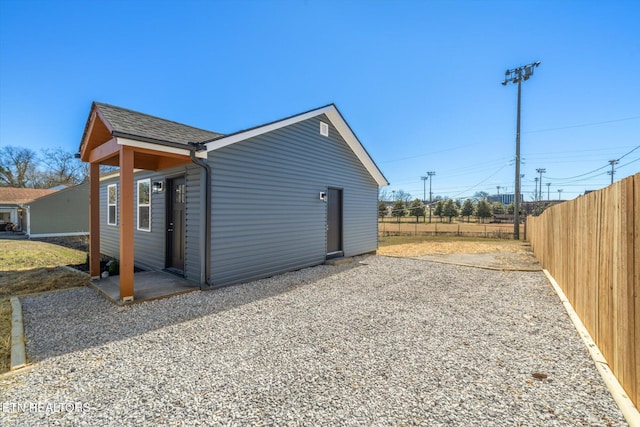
(336, 119)
(352, 141)
(241, 136)
(157, 147)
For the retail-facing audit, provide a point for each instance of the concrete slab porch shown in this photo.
(149, 285)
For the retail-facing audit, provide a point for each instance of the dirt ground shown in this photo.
(507, 255)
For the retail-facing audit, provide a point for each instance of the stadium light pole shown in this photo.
(541, 171)
(548, 184)
(559, 192)
(430, 174)
(517, 75)
(424, 188)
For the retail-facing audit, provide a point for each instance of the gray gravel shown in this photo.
(382, 341)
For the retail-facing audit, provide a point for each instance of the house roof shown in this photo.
(16, 196)
(132, 124)
(336, 119)
(128, 124)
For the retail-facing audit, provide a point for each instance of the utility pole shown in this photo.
(498, 187)
(548, 187)
(559, 192)
(612, 171)
(424, 188)
(517, 75)
(430, 174)
(535, 192)
(541, 171)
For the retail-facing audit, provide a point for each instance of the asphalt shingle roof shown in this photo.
(12, 195)
(134, 124)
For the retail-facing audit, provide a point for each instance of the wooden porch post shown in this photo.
(126, 224)
(94, 220)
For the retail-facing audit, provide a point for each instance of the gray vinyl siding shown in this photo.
(267, 217)
(63, 212)
(192, 236)
(150, 247)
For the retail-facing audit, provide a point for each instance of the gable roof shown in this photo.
(12, 195)
(144, 127)
(334, 116)
(128, 124)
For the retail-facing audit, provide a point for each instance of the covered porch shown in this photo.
(105, 143)
(149, 285)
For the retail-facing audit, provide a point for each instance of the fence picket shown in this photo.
(590, 246)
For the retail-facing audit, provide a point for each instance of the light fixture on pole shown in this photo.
(424, 188)
(541, 171)
(548, 188)
(517, 75)
(430, 174)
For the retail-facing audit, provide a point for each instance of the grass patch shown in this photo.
(27, 254)
(28, 267)
(401, 240)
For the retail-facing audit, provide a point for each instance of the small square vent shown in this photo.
(324, 129)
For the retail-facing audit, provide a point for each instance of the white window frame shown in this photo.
(143, 205)
(115, 204)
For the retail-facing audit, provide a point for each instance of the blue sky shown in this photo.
(418, 81)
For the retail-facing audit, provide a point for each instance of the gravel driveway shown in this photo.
(382, 341)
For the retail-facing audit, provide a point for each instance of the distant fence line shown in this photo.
(591, 246)
(494, 231)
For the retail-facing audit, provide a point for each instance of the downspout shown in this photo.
(205, 212)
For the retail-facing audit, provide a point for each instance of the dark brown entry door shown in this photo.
(334, 223)
(176, 207)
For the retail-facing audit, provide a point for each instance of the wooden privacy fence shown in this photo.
(590, 246)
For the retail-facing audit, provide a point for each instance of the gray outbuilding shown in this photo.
(63, 213)
(225, 209)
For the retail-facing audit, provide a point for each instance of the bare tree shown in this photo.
(18, 167)
(61, 167)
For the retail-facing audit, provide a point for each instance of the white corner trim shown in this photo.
(625, 404)
(334, 117)
(157, 147)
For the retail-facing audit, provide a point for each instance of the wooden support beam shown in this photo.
(104, 151)
(94, 220)
(126, 224)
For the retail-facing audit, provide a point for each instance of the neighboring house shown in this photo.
(62, 213)
(12, 204)
(225, 209)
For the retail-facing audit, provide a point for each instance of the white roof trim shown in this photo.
(336, 119)
(157, 147)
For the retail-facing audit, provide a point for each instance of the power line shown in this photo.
(595, 170)
(479, 183)
(620, 158)
(584, 125)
